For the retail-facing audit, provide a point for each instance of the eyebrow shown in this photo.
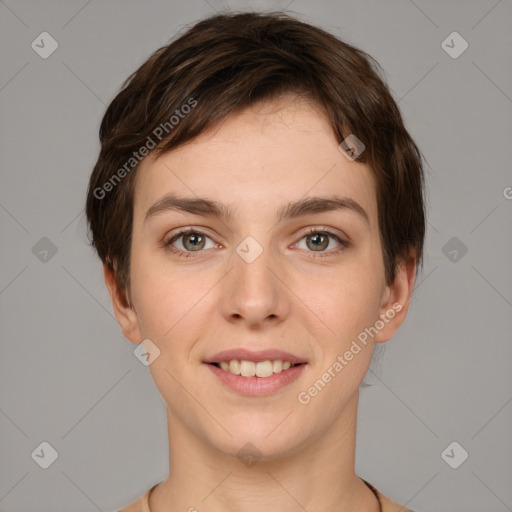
(292, 210)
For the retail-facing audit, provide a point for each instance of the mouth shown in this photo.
(255, 374)
(261, 369)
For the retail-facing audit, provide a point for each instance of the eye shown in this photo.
(186, 242)
(190, 241)
(318, 240)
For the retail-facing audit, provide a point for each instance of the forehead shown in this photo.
(259, 159)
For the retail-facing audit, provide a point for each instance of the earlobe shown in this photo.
(396, 299)
(125, 314)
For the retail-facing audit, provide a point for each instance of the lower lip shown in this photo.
(258, 386)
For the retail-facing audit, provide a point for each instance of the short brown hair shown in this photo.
(225, 63)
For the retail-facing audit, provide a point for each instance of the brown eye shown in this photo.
(317, 241)
(189, 241)
(193, 241)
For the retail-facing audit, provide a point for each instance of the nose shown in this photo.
(253, 292)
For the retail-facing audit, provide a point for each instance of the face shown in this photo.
(272, 273)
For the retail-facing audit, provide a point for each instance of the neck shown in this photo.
(319, 476)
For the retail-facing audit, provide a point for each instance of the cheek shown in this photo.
(344, 303)
(159, 299)
(170, 302)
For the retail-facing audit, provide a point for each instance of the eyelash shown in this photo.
(167, 244)
(325, 254)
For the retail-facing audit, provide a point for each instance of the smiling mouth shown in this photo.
(260, 369)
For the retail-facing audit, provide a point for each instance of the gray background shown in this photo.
(68, 376)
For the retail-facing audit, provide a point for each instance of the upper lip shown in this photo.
(254, 356)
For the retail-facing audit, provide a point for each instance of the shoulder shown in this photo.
(139, 505)
(387, 504)
(391, 506)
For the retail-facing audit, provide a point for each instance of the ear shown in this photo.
(395, 300)
(125, 314)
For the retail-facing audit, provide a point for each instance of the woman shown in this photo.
(258, 207)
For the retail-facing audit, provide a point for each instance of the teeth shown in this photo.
(248, 368)
(234, 366)
(251, 369)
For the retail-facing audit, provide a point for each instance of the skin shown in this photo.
(256, 161)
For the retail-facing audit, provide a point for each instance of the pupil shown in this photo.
(317, 240)
(195, 240)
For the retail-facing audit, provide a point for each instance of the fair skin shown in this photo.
(256, 162)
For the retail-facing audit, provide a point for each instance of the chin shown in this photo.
(260, 442)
